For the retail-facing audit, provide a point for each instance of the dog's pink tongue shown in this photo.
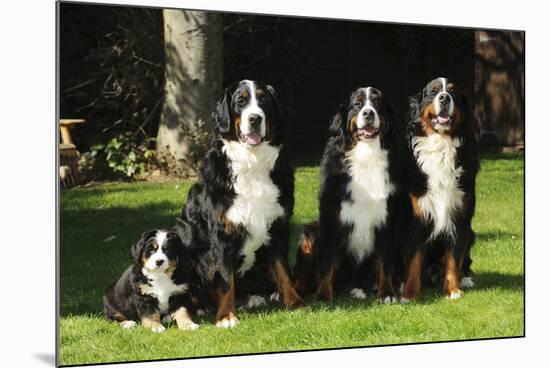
(370, 129)
(443, 118)
(253, 138)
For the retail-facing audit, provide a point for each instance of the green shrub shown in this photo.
(125, 156)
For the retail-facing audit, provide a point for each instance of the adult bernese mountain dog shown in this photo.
(155, 288)
(359, 186)
(440, 173)
(237, 215)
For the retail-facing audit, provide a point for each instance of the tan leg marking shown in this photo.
(153, 322)
(324, 291)
(183, 320)
(413, 284)
(451, 286)
(226, 315)
(385, 290)
(289, 295)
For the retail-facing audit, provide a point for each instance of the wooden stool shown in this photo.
(68, 154)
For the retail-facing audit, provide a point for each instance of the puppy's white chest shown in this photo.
(256, 205)
(436, 156)
(369, 189)
(162, 288)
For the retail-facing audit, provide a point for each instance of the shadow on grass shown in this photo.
(430, 295)
(491, 280)
(95, 248)
(492, 235)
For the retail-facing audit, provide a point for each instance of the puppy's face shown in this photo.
(157, 251)
(305, 268)
(440, 107)
(247, 113)
(366, 117)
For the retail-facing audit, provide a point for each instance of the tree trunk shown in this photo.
(194, 66)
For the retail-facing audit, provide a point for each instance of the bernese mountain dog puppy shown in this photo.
(441, 167)
(359, 186)
(155, 288)
(306, 270)
(237, 214)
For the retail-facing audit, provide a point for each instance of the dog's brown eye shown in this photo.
(357, 104)
(241, 102)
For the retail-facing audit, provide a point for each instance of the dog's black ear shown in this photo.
(174, 236)
(414, 106)
(470, 123)
(413, 123)
(176, 244)
(222, 114)
(279, 114)
(338, 122)
(279, 128)
(137, 249)
(390, 127)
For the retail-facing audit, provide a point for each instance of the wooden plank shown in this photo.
(65, 122)
(66, 135)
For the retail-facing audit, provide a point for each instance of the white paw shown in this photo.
(467, 282)
(191, 326)
(456, 294)
(158, 329)
(255, 301)
(228, 322)
(128, 324)
(358, 293)
(201, 312)
(388, 300)
(275, 297)
(404, 300)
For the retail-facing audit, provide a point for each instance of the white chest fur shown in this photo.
(256, 204)
(161, 287)
(369, 190)
(436, 156)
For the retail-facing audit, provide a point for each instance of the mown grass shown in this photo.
(91, 258)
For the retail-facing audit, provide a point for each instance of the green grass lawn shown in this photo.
(99, 224)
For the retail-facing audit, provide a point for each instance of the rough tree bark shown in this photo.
(194, 66)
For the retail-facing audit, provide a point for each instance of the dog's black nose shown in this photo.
(444, 98)
(254, 119)
(160, 262)
(367, 113)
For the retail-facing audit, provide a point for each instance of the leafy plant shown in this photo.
(124, 156)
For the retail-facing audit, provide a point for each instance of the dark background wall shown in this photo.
(500, 88)
(314, 64)
(322, 61)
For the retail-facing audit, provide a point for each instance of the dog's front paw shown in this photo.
(128, 324)
(191, 326)
(158, 329)
(455, 294)
(358, 293)
(387, 300)
(230, 321)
